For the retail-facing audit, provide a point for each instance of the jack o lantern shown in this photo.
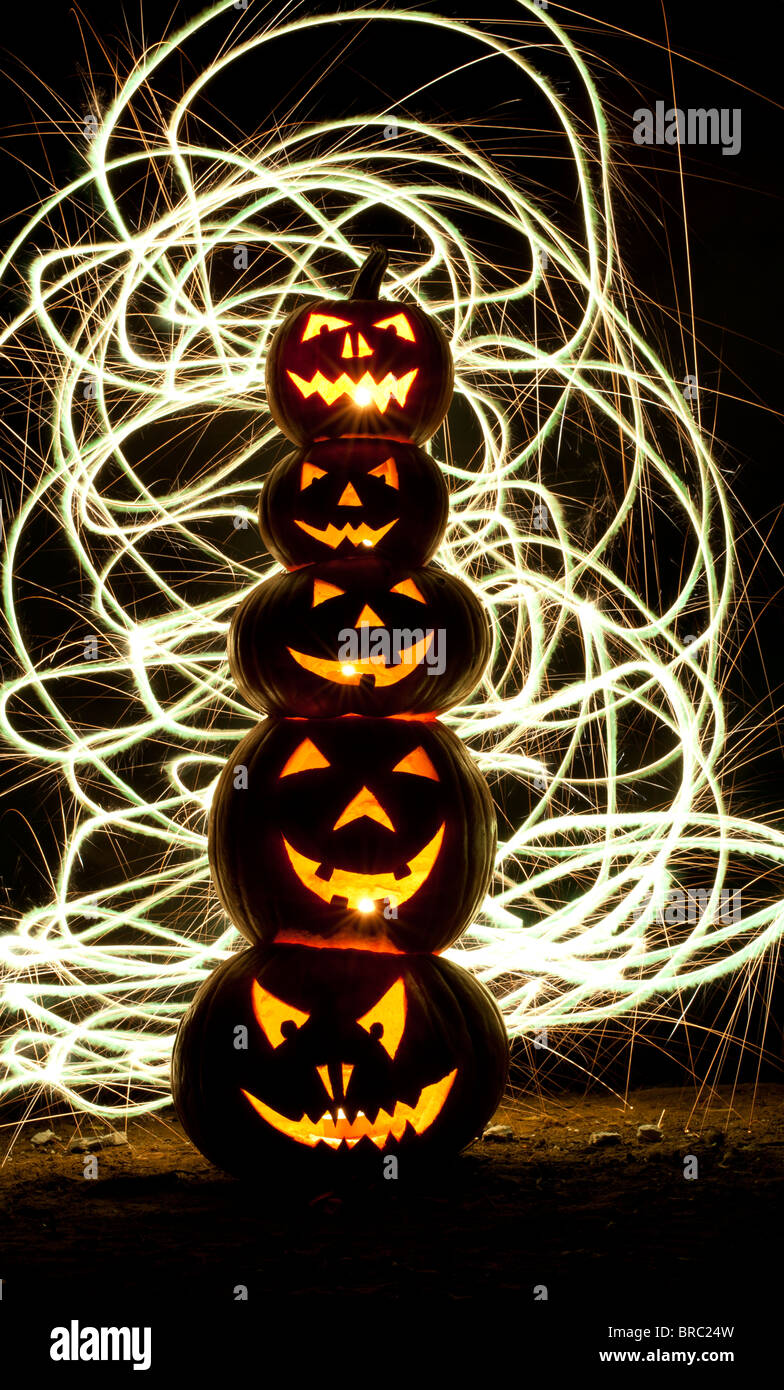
(360, 366)
(358, 637)
(377, 833)
(345, 497)
(337, 1058)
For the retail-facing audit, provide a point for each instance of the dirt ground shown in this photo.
(617, 1234)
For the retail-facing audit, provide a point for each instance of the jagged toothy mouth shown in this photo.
(364, 392)
(358, 535)
(335, 1131)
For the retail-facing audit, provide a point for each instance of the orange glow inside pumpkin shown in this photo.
(375, 665)
(386, 1023)
(349, 497)
(400, 324)
(366, 391)
(409, 588)
(347, 940)
(307, 756)
(368, 618)
(323, 591)
(304, 758)
(336, 1131)
(386, 1020)
(382, 889)
(419, 764)
(332, 535)
(309, 475)
(273, 1014)
(363, 350)
(388, 471)
(364, 804)
(342, 673)
(345, 1076)
(367, 893)
(317, 322)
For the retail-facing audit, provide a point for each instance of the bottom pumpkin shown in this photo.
(299, 1055)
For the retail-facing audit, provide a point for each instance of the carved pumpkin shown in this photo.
(345, 497)
(358, 637)
(361, 366)
(336, 1057)
(377, 833)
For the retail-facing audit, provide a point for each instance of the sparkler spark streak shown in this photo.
(94, 981)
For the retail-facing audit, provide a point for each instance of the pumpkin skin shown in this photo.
(287, 641)
(414, 1043)
(339, 824)
(361, 365)
(345, 497)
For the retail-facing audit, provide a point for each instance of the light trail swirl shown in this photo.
(601, 715)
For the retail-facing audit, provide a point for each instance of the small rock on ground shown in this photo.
(498, 1133)
(649, 1134)
(44, 1136)
(603, 1138)
(80, 1145)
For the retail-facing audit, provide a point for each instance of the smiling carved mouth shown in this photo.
(358, 535)
(334, 1132)
(351, 672)
(364, 392)
(359, 889)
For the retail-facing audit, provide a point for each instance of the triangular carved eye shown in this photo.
(388, 471)
(322, 591)
(316, 322)
(409, 588)
(418, 764)
(386, 1021)
(305, 758)
(309, 475)
(272, 1015)
(400, 324)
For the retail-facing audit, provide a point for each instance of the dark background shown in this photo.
(732, 207)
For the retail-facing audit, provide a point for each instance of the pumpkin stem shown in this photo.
(367, 281)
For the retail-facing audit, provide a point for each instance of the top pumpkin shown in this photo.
(359, 366)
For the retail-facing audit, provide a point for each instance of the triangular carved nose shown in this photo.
(349, 497)
(364, 804)
(368, 618)
(363, 349)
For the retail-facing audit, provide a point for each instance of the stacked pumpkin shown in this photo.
(351, 835)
